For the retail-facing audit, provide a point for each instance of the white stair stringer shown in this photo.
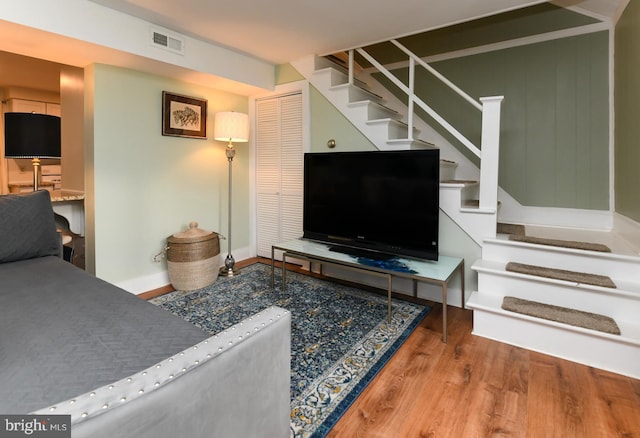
(364, 109)
(475, 222)
(616, 353)
(387, 129)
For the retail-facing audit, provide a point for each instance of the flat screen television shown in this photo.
(383, 202)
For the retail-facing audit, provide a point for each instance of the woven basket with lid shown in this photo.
(193, 258)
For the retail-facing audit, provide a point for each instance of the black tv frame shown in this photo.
(347, 195)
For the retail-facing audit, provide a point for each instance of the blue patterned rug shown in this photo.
(340, 337)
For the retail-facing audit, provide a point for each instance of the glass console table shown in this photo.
(435, 272)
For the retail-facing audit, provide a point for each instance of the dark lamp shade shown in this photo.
(30, 135)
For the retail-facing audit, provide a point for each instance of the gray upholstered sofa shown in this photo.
(72, 344)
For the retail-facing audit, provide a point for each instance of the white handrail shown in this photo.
(437, 74)
(490, 109)
(415, 99)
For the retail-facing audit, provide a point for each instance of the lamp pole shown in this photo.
(228, 269)
(230, 126)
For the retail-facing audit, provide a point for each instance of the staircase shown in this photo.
(389, 129)
(617, 353)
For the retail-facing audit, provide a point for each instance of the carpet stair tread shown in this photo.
(561, 274)
(565, 315)
(621, 268)
(572, 244)
(629, 328)
(462, 182)
(510, 229)
(627, 288)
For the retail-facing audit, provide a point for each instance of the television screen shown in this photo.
(385, 201)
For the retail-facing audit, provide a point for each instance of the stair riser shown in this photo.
(389, 128)
(380, 112)
(357, 94)
(618, 357)
(619, 268)
(338, 77)
(469, 193)
(474, 224)
(580, 298)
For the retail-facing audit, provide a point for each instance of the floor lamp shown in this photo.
(230, 126)
(31, 135)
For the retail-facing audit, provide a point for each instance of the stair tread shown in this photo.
(624, 287)
(504, 240)
(359, 89)
(561, 274)
(630, 329)
(463, 182)
(586, 246)
(386, 120)
(415, 140)
(564, 315)
(374, 103)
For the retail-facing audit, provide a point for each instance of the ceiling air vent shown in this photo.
(167, 40)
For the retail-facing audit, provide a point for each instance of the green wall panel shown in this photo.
(554, 149)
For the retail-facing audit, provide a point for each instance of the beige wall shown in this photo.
(143, 186)
(72, 127)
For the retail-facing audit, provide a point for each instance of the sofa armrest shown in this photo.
(234, 384)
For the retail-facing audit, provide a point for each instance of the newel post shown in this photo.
(490, 146)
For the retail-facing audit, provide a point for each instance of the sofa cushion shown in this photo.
(27, 227)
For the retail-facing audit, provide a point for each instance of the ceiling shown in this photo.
(280, 31)
(277, 31)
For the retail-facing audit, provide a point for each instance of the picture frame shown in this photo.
(184, 116)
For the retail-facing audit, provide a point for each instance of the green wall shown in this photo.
(554, 149)
(627, 110)
(143, 186)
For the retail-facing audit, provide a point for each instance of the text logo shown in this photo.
(35, 426)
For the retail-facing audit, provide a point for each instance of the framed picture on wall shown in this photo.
(184, 116)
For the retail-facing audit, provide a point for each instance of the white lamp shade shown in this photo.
(231, 126)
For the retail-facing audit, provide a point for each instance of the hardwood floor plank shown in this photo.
(616, 402)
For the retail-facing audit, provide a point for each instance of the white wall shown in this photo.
(81, 32)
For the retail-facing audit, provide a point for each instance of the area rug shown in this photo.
(578, 318)
(340, 335)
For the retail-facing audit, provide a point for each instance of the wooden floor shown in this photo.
(475, 387)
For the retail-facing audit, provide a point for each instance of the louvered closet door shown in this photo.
(279, 169)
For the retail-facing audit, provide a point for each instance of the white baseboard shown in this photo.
(161, 279)
(144, 284)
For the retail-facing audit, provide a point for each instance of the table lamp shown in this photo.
(34, 136)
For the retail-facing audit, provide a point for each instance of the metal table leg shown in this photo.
(444, 312)
(273, 282)
(284, 271)
(389, 298)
